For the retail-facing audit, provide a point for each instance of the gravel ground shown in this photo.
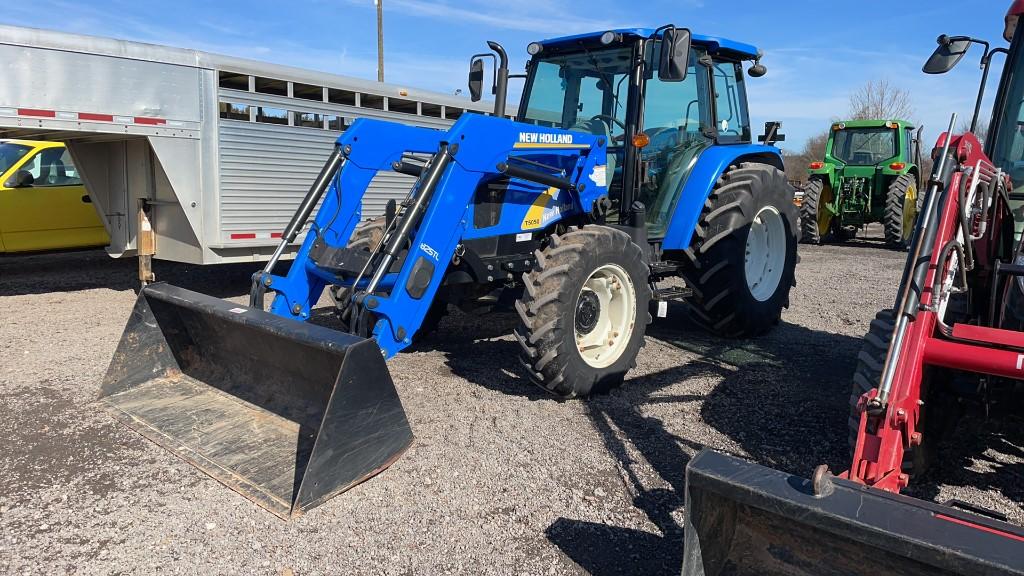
(501, 479)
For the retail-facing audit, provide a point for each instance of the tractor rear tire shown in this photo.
(810, 229)
(742, 262)
(584, 311)
(901, 208)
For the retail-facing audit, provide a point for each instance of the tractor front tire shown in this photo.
(584, 311)
(901, 207)
(868, 375)
(742, 262)
(814, 225)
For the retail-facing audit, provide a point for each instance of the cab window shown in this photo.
(10, 154)
(733, 122)
(52, 167)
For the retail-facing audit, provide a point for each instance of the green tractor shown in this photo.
(871, 173)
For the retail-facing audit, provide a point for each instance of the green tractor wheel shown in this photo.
(815, 216)
(901, 208)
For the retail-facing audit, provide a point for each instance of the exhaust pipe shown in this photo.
(286, 413)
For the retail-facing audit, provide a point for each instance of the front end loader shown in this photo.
(954, 339)
(575, 213)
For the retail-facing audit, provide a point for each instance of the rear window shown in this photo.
(864, 146)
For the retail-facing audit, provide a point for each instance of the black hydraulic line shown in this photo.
(261, 280)
(535, 176)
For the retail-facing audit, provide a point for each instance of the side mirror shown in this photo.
(947, 55)
(21, 179)
(757, 70)
(675, 55)
(476, 79)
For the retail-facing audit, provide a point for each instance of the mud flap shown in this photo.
(286, 413)
(742, 519)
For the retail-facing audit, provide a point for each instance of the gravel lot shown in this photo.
(501, 479)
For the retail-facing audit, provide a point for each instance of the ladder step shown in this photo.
(672, 293)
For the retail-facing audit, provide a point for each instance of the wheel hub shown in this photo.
(766, 253)
(588, 312)
(605, 311)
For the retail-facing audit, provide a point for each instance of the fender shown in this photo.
(702, 179)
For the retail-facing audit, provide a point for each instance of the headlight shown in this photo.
(534, 48)
(609, 37)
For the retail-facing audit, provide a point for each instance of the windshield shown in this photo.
(586, 91)
(864, 146)
(10, 154)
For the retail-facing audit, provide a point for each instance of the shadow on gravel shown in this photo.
(782, 397)
(981, 453)
(94, 269)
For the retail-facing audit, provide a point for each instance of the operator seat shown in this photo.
(599, 127)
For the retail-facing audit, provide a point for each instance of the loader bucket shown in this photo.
(286, 413)
(743, 519)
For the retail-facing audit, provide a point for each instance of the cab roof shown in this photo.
(33, 143)
(874, 123)
(713, 44)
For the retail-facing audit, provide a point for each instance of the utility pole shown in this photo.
(380, 39)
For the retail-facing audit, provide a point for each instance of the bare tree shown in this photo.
(880, 100)
(796, 162)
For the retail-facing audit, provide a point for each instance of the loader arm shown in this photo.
(555, 176)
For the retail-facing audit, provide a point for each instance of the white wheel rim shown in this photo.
(765, 253)
(602, 335)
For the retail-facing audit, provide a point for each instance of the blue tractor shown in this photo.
(627, 179)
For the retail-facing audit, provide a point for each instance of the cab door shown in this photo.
(51, 210)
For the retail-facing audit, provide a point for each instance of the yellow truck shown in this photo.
(43, 203)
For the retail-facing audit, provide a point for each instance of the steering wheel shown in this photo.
(608, 117)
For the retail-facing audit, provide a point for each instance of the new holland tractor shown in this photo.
(627, 179)
(952, 347)
(870, 173)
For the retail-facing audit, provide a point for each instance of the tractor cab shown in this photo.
(657, 120)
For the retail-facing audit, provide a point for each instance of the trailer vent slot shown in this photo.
(271, 115)
(432, 110)
(308, 92)
(232, 111)
(336, 123)
(372, 101)
(271, 86)
(234, 81)
(403, 106)
(452, 113)
(309, 119)
(338, 96)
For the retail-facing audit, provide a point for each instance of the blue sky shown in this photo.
(817, 52)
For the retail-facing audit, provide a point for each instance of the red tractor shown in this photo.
(954, 335)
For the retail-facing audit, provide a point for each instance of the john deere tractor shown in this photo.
(870, 173)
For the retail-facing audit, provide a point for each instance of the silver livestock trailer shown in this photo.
(209, 155)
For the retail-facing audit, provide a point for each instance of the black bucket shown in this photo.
(745, 519)
(286, 413)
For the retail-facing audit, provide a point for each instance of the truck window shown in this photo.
(52, 167)
(10, 154)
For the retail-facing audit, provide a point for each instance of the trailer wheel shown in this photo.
(367, 236)
(815, 217)
(742, 262)
(901, 207)
(584, 311)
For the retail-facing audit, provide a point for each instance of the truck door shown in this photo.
(51, 210)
